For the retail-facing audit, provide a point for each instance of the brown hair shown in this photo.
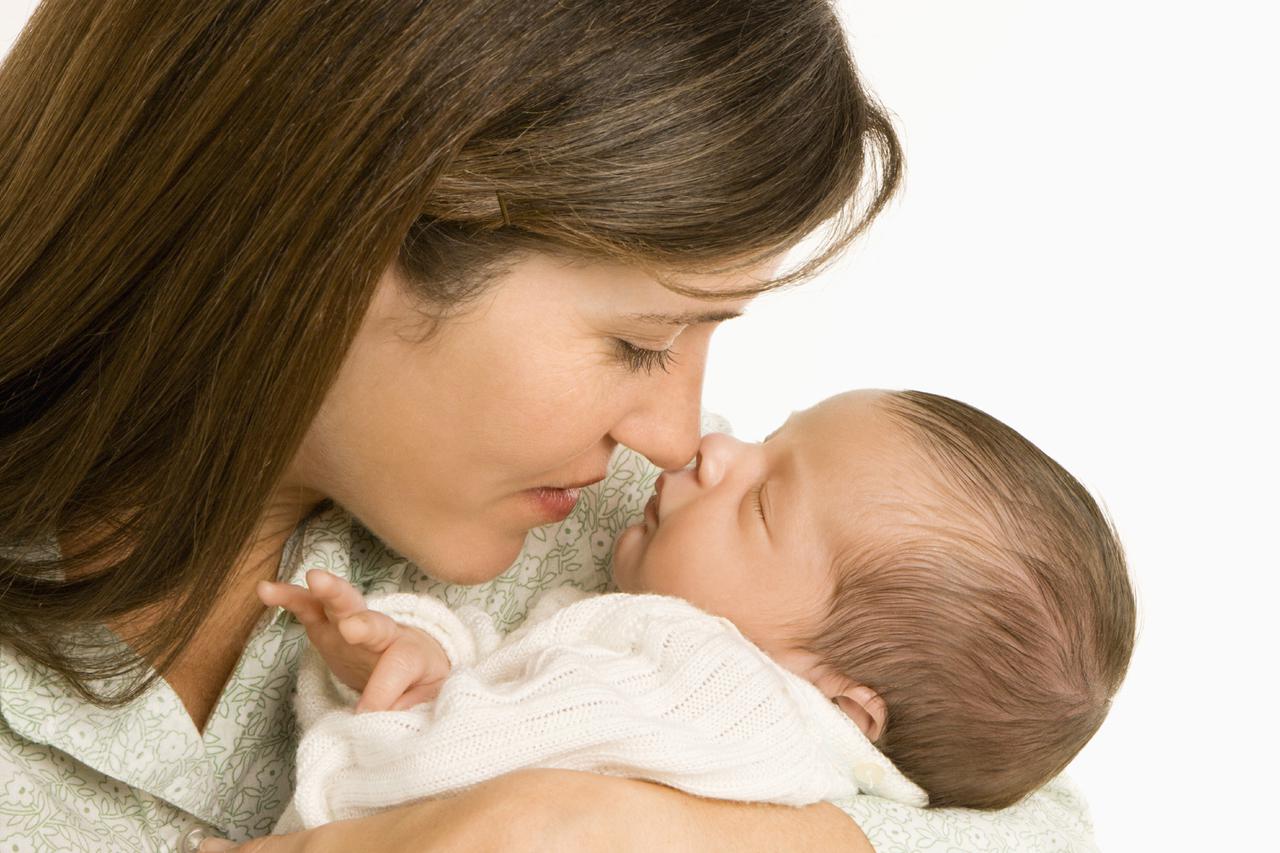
(199, 199)
(996, 620)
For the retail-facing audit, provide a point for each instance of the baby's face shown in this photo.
(752, 530)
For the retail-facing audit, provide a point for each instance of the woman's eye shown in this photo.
(755, 496)
(638, 358)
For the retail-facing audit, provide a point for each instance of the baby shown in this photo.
(893, 593)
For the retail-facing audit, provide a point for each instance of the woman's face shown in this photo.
(436, 445)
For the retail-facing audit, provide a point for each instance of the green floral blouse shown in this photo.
(74, 776)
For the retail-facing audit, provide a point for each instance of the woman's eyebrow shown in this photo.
(689, 318)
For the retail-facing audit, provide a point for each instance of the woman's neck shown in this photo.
(203, 666)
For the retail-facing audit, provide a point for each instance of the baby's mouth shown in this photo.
(651, 513)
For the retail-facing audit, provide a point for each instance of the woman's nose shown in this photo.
(665, 422)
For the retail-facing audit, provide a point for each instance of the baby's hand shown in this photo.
(393, 665)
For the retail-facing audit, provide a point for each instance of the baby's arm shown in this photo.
(617, 684)
(392, 665)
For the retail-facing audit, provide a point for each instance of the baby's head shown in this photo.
(948, 585)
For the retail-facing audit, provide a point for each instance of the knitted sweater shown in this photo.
(638, 685)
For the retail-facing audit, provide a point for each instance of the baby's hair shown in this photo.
(995, 617)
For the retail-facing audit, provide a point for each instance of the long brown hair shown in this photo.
(198, 199)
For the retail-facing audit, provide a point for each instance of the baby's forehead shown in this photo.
(851, 441)
(840, 458)
(857, 471)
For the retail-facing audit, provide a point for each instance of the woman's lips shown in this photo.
(554, 504)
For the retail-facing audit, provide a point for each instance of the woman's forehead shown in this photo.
(724, 282)
(669, 279)
(636, 294)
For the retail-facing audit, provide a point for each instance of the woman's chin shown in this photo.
(474, 565)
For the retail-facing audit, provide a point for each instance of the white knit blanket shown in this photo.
(643, 686)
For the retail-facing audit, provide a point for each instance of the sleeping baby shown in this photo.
(894, 593)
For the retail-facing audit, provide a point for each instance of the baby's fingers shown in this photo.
(370, 630)
(418, 694)
(298, 601)
(399, 667)
(340, 599)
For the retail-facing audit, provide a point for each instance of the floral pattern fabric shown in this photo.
(78, 777)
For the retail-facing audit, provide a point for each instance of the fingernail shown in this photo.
(216, 845)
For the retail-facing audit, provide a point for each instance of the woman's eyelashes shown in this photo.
(639, 359)
(755, 498)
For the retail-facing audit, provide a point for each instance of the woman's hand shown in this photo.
(393, 666)
(568, 811)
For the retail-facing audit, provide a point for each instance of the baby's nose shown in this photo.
(716, 454)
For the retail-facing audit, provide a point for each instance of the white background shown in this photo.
(1084, 248)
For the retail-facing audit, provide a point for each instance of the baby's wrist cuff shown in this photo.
(348, 696)
(432, 616)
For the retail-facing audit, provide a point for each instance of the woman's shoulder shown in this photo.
(1055, 818)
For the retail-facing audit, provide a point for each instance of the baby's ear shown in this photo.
(865, 707)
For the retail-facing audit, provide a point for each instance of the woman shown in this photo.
(431, 263)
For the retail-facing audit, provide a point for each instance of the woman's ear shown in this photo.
(865, 707)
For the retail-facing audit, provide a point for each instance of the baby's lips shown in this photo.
(651, 511)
